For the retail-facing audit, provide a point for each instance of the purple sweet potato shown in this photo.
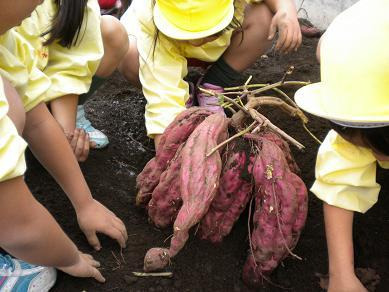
(233, 194)
(175, 134)
(276, 212)
(199, 176)
(281, 143)
(166, 198)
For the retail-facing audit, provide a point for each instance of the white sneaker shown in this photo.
(19, 276)
(95, 135)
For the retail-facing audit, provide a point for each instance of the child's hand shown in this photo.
(94, 217)
(345, 284)
(286, 23)
(85, 267)
(80, 143)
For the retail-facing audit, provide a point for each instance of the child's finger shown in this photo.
(120, 226)
(116, 234)
(85, 151)
(283, 34)
(93, 239)
(92, 144)
(80, 146)
(74, 140)
(97, 275)
(291, 44)
(299, 39)
(94, 263)
(272, 29)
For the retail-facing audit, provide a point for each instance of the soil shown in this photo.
(118, 110)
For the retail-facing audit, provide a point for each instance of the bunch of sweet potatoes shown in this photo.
(188, 183)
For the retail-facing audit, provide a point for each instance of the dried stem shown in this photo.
(244, 109)
(275, 101)
(261, 119)
(241, 133)
(268, 86)
(162, 274)
(311, 134)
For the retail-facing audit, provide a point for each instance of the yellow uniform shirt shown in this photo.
(346, 174)
(54, 70)
(163, 64)
(12, 146)
(18, 64)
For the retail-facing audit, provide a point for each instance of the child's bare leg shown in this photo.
(115, 42)
(253, 42)
(129, 66)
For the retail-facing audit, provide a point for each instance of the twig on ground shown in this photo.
(162, 274)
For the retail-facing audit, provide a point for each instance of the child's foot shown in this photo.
(100, 139)
(211, 102)
(19, 276)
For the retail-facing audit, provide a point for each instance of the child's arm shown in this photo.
(286, 23)
(64, 110)
(339, 224)
(48, 143)
(30, 233)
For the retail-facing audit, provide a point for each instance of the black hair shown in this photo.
(375, 138)
(67, 22)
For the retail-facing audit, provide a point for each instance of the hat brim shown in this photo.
(176, 33)
(310, 98)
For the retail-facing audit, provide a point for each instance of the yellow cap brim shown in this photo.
(176, 33)
(311, 98)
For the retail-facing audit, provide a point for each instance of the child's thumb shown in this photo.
(93, 240)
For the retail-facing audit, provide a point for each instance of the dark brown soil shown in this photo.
(117, 109)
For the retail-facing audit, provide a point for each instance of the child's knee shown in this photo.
(16, 110)
(257, 19)
(129, 65)
(114, 35)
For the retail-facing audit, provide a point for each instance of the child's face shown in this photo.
(200, 42)
(13, 12)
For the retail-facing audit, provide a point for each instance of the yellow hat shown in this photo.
(192, 19)
(354, 87)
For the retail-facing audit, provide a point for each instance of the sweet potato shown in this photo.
(199, 176)
(281, 143)
(276, 211)
(233, 194)
(175, 134)
(166, 198)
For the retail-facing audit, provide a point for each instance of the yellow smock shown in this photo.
(12, 146)
(163, 64)
(55, 71)
(346, 174)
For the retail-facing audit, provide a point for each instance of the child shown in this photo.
(165, 35)
(73, 43)
(354, 95)
(27, 230)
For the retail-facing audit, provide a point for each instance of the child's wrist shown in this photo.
(81, 203)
